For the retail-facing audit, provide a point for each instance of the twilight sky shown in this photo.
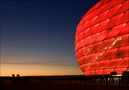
(37, 36)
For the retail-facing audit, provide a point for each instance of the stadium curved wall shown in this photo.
(102, 38)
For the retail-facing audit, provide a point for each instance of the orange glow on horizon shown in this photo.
(38, 70)
(40, 67)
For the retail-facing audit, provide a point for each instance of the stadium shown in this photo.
(102, 39)
(102, 51)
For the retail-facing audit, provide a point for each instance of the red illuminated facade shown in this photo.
(102, 38)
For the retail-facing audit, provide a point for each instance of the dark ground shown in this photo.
(60, 83)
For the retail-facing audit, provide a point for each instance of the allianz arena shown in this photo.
(102, 38)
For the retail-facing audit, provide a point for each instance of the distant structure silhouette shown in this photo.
(13, 75)
(18, 75)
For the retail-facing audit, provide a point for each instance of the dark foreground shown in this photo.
(64, 83)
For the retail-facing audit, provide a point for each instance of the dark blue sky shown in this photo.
(41, 32)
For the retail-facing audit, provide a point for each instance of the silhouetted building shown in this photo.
(13, 75)
(18, 75)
